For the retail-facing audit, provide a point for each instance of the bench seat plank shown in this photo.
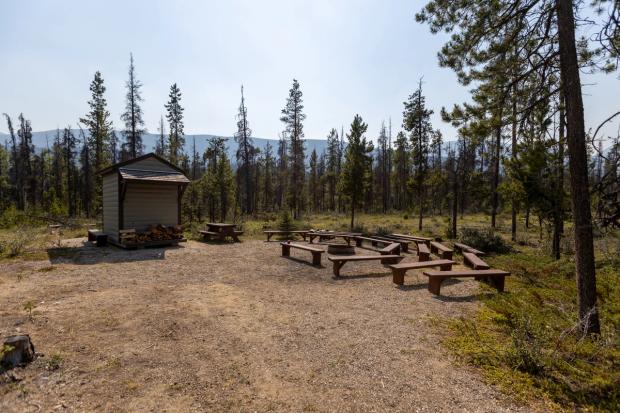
(473, 261)
(441, 250)
(435, 278)
(340, 261)
(399, 270)
(466, 248)
(424, 254)
(316, 252)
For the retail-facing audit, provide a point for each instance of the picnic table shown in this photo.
(221, 231)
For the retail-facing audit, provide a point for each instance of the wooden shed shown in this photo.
(141, 194)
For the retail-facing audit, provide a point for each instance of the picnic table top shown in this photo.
(334, 233)
(220, 225)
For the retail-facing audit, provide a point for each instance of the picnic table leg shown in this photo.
(434, 284)
(269, 236)
(398, 276)
(358, 242)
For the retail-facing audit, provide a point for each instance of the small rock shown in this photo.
(21, 351)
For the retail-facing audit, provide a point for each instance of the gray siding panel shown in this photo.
(150, 203)
(110, 205)
(150, 164)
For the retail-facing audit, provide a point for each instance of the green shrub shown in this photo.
(383, 230)
(16, 244)
(485, 240)
(360, 228)
(286, 222)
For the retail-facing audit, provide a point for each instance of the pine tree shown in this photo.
(293, 117)
(357, 166)
(483, 33)
(402, 171)
(267, 190)
(416, 121)
(313, 182)
(160, 145)
(99, 125)
(245, 158)
(333, 167)
(176, 137)
(134, 125)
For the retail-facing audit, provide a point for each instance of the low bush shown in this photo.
(528, 343)
(484, 239)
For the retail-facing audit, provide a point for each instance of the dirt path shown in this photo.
(231, 328)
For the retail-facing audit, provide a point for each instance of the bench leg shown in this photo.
(391, 260)
(446, 267)
(498, 282)
(398, 276)
(423, 257)
(286, 250)
(405, 247)
(337, 266)
(316, 258)
(269, 237)
(358, 242)
(434, 284)
(447, 255)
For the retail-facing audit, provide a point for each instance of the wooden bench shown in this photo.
(373, 241)
(208, 234)
(100, 238)
(399, 270)
(340, 261)
(441, 250)
(316, 252)
(415, 238)
(392, 249)
(473, 261)
(404, 244)
(466, 248)
(494, 277)
(424, 254)
(331, 235)
(272, 232)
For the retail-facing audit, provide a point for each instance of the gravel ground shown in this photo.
(223, 327)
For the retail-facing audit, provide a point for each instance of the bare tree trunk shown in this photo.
(513, 151)
(578, 166)
(495, 180)
(558, 227)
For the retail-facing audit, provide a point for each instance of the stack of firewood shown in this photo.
(161, 233)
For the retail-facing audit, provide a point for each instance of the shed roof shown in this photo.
(129, 174)
(126, 163)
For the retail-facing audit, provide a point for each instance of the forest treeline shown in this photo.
(522, 146)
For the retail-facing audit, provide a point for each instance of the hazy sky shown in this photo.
(350, 56)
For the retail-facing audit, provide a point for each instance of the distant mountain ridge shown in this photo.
(42, 139)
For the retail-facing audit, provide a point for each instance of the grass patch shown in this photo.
(527, 342)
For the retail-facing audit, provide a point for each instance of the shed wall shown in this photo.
(110, 205)
(149, 203)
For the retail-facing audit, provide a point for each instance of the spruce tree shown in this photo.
(99, 125)
(483, 33)
(357, 166)
(176, 137)
(134, 125)
(245, 158)
(416, 121)
(293, 117)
